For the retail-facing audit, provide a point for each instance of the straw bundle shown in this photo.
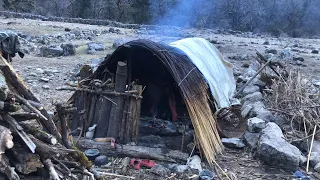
(192, 86)
(297, 99)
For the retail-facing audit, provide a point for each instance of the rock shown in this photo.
(240, 79)
(275, 151)
(317, 167)
(91, 51)
(246, 110)
(266, 43)
(272, 51)
(195, 163)
(298, 59)
(46, 87)
(250, 89)
(39, 71)
(286, 54)
(315, 51)
(67, 29)
(314, 158)
(259, 83)
(255, 125)
(254, 97)
(100, 160)
(180, 168)
(51, 51)
(303, 160)
(119, 42)
(206, 175)
(33, 74)
(111, 30)
(233, 143)
(251, 139)
(160, 170)
(96, 46)
(68, 49)
(45, 79)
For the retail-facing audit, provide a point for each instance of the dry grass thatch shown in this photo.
(192, 86)
(297, 99)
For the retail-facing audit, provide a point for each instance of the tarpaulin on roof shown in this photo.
(217, 72)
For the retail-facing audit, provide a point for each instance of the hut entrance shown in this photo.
(160, 118)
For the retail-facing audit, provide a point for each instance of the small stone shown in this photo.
(206, 175)
(298, 59)
(160, 170)
(39, 71)
(245, 65)
(266, 43)
(45, 79)
(195, 163)
(33, 74)
(46, 87)
(272, 51)
(233, 143)
(254, 97)
(317, 167)
(250, 89)
(315, 51)
(180, 168)
(255, 125)
(91, 51)
(101, 160)
(67, 29)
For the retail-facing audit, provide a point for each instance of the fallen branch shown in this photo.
(32, 108)
(112, 174)
(23, 116)
(52, 171)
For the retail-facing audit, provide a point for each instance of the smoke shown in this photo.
(180, 13)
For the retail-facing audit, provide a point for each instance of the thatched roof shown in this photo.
(192, 85)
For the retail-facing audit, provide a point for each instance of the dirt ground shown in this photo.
(237, 48)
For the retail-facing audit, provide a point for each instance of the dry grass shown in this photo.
(298, 100)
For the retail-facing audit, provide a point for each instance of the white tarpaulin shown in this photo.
(217, 72)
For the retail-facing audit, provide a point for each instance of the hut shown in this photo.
(118, 91)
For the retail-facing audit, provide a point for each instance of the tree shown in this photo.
(19, 5)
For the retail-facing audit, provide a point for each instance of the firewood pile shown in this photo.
(31, 146)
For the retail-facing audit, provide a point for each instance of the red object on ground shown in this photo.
(137, 164)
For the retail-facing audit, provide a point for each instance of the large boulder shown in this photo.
(96, 46)
(275, 151)
(68, 49)
(55, 51)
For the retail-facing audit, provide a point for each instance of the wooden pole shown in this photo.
(117, 109)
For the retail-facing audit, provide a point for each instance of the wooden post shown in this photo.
(136, 113)
(117, 109)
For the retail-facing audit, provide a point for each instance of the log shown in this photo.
(6, 169)
(117, 110)
(19, 130)
(52, 171)
(24, 161)
(24, 116)
(4, 89)
(16, 81)
(32, 108)
(64, 126)
(134, 151)
(5, 139)
(39, 134)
